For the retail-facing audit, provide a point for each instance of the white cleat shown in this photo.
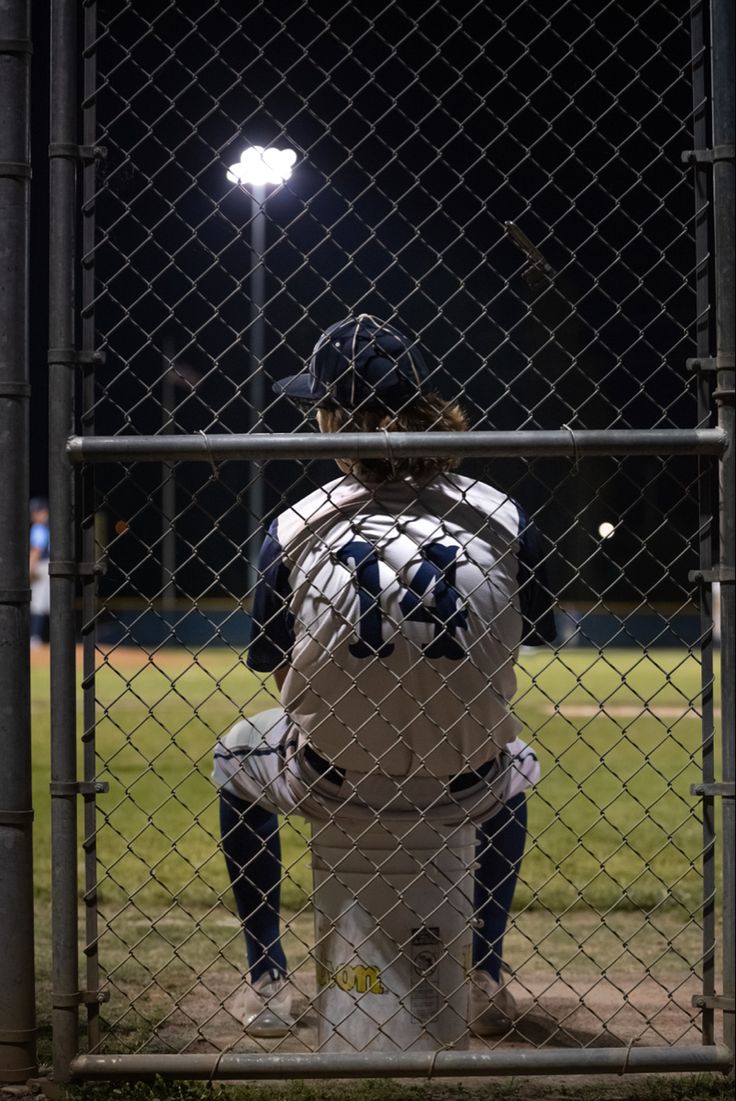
(492, 1008)
(265, 1009)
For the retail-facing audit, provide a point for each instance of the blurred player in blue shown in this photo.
(391, 606)
(39, 569)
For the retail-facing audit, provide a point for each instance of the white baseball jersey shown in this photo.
(398, 611)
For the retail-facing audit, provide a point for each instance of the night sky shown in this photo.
(418, 137)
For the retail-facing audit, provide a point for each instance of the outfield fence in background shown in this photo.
(546, 201)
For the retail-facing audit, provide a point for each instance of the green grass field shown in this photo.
(614, 823)
(614, 831)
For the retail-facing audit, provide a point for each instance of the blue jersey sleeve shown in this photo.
(535, 595)
(272, 624)
(39, 537)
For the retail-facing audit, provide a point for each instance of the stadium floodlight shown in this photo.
(258, 166)
(258, 169)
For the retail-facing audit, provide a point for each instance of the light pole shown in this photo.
(168, 485)
(258, 170)
(176, 374)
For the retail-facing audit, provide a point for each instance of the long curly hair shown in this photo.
(427, 413)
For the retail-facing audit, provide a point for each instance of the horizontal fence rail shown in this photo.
(406, 1064)
(572, 444)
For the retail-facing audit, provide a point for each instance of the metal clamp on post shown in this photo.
(713, 1001)
(708, 156)
(722, 789)
(86, 571)
(15, 170)
(84, 153)
(722, 575)
(17, 1036)
(711, 363)
(70, 789)
(15, 817)
(15, 390)
(16, 46)
(79, 997)
(73, 357)
(15, 596)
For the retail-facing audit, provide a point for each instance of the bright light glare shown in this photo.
(606, 529)
(258, 166)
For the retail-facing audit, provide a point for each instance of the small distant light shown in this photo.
(606, 529)
(258, 166)
(121, 526)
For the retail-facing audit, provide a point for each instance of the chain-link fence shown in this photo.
(507, 186)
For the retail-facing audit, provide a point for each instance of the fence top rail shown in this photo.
(307, 445)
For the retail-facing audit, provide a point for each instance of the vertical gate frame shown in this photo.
(89, 533)
(707, 477)
(67, 997)
(723, 137)
(63, 154)
(17, 994)
(268, 1065)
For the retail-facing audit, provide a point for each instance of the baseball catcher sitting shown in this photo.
(390, 610)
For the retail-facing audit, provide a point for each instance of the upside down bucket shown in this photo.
(393, 931)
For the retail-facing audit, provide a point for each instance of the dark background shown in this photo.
(417, 139)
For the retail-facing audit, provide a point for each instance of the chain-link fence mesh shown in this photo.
(505, 183)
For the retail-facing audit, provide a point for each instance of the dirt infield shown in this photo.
(123, 657)
(558, 1016)
(580, 1005)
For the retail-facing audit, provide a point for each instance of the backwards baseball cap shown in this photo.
(360, 362)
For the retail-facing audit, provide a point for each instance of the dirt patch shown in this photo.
(579, 981)
(635, 990)
(122, 657)
(132, 657)
(40, 657)
(588, 1013)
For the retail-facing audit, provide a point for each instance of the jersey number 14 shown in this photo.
(435, 577)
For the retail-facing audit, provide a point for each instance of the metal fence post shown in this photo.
(723, 197)
(63, 153)
(700, 40)
(17, 995)
(89, 540)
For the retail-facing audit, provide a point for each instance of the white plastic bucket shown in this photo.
(393, 910)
